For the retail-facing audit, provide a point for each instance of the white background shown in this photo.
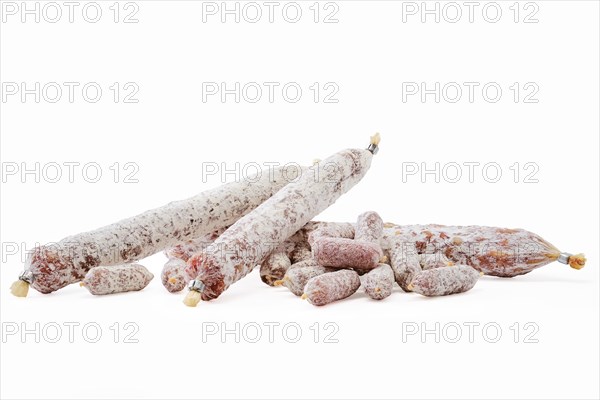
(170, 132)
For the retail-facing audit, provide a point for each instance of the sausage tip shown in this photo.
(375, 139)
(19, 288)
(577, 261)
(192, 298)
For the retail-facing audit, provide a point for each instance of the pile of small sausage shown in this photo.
(328, 261)
(219, 236)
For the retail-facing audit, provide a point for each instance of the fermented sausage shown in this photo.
(250, 239)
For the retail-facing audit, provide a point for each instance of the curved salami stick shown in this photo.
(254, 236)
(50, 268)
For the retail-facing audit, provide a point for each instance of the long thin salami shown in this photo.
(493, 251)
(254, 236)
(53, 267)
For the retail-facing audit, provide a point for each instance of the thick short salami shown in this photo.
(173, 276)
(300, 253)
(274, 267)
(254, 236)
(346, 253)
(445, 280)
(379, 282)
(330, 287)
(52, 267)
(331, 230)
(296, 278)
(369, 227)
(405, 264)
(117, 279)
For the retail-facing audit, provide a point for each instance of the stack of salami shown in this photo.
(216, 238)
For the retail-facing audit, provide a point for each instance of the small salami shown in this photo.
(346, 253)
(274, 267)
(173, 276)
(445, 280)
(369, 227)
(330, 287)
(117, 279)
(300, 253)
(331, 230)
(296, 278)
(405, 264)
(379, 282)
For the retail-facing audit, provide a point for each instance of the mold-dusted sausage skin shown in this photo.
(369, 227)
(330, 230)
(254, 236)
(274, 267)
(300, 253)
(56, 266)
(173, 276)
(405, 263)
(346, 253)
(379, 282)
(493, 251)
(445, 280)
(436, 260)
(296, 278)
(330, 287)
(117, 279)
(185, 250)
